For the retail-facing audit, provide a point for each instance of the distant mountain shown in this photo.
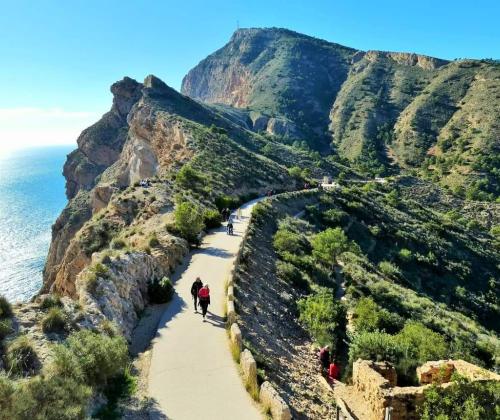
(382, 111)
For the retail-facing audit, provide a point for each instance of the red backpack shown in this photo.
(204, 293)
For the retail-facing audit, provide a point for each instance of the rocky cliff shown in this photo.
(382, 111)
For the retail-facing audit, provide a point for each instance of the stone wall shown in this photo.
(374, 391)
(267, 395)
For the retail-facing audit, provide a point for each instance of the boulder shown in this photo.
(273, 402)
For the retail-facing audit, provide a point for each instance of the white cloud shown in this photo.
(28, 126)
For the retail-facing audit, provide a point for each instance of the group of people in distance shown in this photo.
(201, 296)
(329, 368)
(145, 183)
(226, 217)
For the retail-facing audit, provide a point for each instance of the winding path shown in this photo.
(192, 374)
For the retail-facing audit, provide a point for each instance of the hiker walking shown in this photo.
(324, 358)
(229, 227)
(204, 296)
(195, 288)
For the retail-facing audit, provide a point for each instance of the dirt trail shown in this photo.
(192, 373)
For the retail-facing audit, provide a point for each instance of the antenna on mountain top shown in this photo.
(237, 25)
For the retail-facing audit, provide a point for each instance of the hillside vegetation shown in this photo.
(382, 112)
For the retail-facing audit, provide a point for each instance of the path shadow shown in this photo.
(215, 252)
(215, 320)
(175, 307)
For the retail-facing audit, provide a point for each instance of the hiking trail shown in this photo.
(192, 374)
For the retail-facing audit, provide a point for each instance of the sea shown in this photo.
(31, 197)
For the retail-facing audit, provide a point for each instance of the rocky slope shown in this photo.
(385, 111)
(101, 252)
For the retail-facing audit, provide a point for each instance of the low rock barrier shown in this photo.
(266, 394)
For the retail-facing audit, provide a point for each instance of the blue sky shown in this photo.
(58, 58)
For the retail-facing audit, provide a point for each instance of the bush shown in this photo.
(462, 400)
(227, 201)
(389, 269)
(21, 357)
(377, 346)
(50, 398)
(188, 177)
(153, 241)
(100, 357)
(5, 307)
(421, 344)
(160, 291)
(321, 315)
(118, 244)
(405, 255)
(5, 328)
(329, 244)
(188, 221)
(212, 219)
(65, 363)
(334, 216)
(285, 240)
(368, 316)
(7, 393)
(54, 321)
(51, 301)
(291, 274)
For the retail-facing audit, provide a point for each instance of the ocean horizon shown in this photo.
(32, 197)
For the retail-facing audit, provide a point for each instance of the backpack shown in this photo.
(204, 293)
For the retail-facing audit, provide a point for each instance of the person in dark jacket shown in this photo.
(204, 296)
(324, 358)
(195, 288)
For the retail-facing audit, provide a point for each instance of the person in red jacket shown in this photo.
(333, 372)
(204, 298)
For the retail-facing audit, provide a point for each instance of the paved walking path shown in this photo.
(192, 373)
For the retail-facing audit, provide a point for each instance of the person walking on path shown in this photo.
(195, 289)
(229, 227)
(204, 296)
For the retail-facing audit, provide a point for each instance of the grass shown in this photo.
(54, 321)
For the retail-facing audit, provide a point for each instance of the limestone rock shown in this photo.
(271, 400)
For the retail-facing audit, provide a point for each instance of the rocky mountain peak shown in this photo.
(125, 92)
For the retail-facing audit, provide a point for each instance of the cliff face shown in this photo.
(100, 145)
(382, 111)
(111, 220)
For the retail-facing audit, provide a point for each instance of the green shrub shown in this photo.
(405, 255)
(160, 291)
(5, 307)
(321, 315)
(118, 243)
(50, 398)
(334, 216)
(368, 316)
(295, 172)
(227, 201)
(329, 244)
(421, 344)
(21, 357)
(285, 240)
(188, 220)
(188, 177)
(51, 301)
(7, 393)
(100, 357)
(212, 219)
(377, 346)
(65, 363)
(5, 328)
(462, 400)
(291, 274)
(389, 269)
(153, 241)
(54, 321)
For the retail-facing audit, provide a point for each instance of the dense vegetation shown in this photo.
(399, 262)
